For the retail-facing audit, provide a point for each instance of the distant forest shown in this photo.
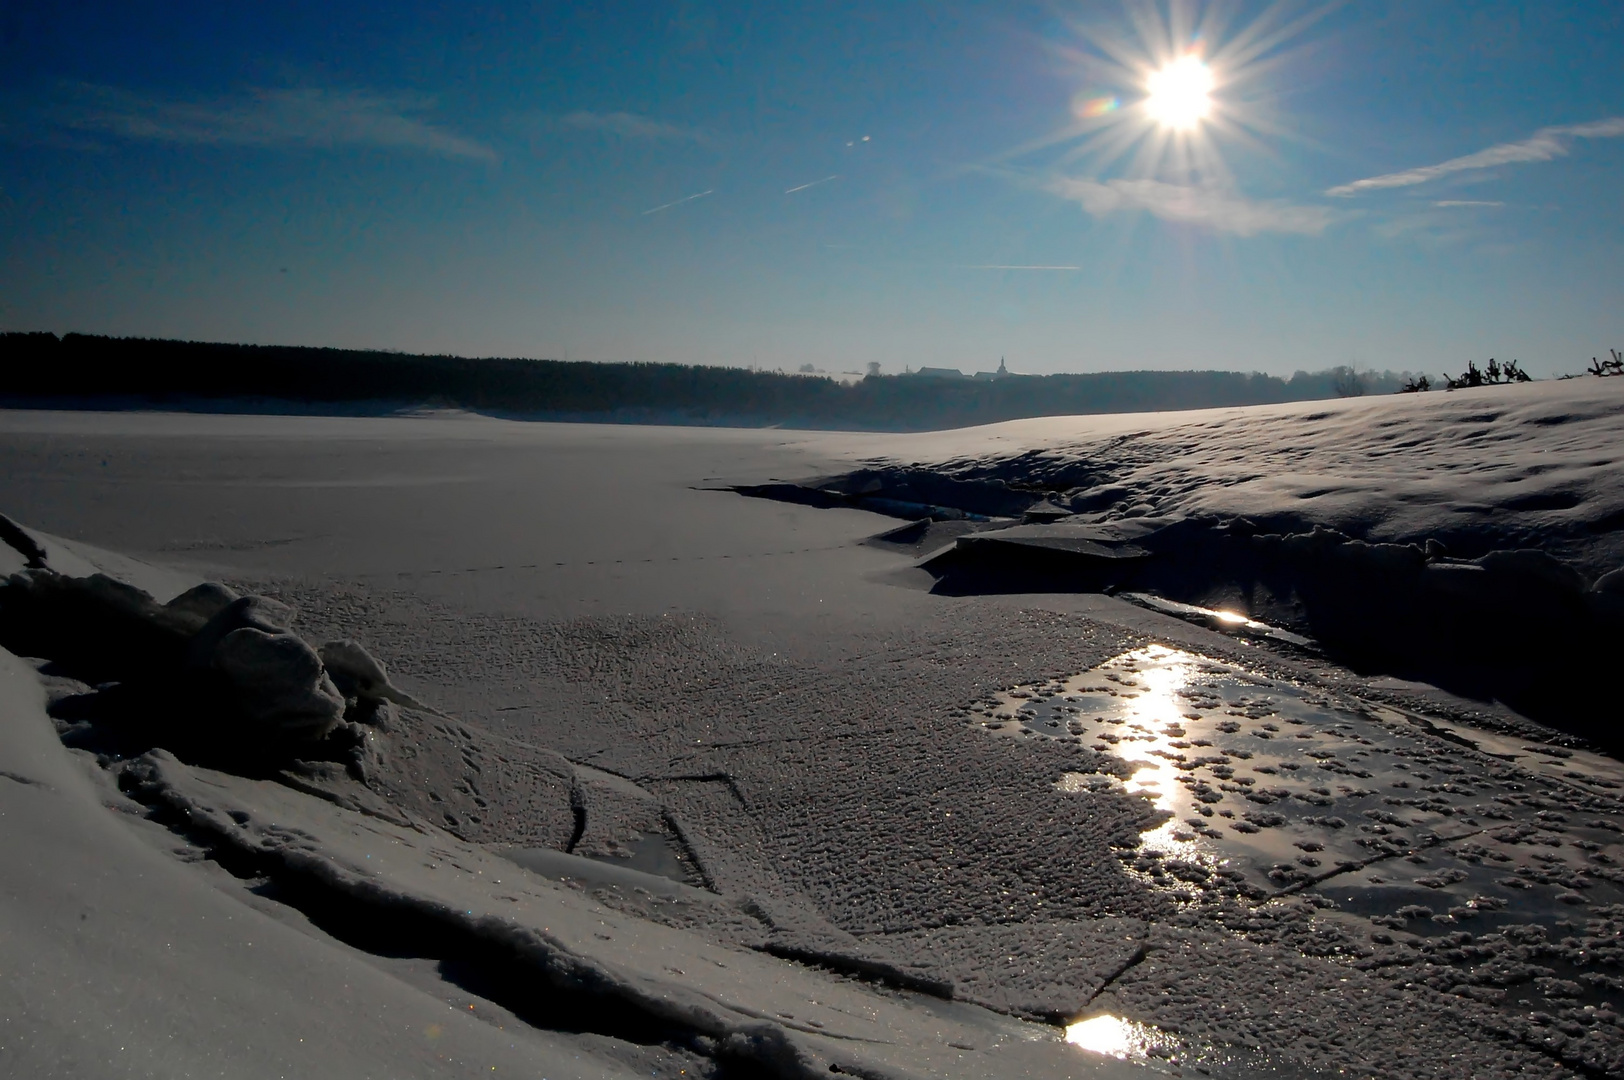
(85, 371)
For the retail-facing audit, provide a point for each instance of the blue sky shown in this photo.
(1405, 185)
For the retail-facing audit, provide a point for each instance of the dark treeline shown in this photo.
(80, 370)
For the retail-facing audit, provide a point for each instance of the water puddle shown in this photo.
(1413, 828)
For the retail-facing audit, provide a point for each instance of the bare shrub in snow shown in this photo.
(1615, 366)
(1494, 375)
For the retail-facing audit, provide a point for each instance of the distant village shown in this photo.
(954, 373)
(875, 371)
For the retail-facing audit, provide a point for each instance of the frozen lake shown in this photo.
(1047, 809)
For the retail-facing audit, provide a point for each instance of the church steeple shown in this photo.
(1002, 370)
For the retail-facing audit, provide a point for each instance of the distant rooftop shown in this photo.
(955, 373)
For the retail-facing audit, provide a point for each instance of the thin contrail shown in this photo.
(991, 266)
(679, 202)
(814, 183)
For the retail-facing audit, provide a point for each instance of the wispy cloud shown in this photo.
(263, 117)
(1221, 209)
(631, 126)
(814, 183)
(1544, 145)
(1466, 202)
(679, 202)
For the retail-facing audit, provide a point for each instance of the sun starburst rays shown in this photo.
(1187, 81)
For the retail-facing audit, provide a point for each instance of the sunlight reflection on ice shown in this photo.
(1272, 787)
(1112, 1036)
(1221, 620)
(1356, 808)
(1152, 722)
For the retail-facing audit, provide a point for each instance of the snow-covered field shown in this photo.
(665, 781)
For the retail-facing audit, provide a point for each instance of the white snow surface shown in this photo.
(729, 993)
(1535, 464)
(1539, 464)
(72, 558)
(121, 960)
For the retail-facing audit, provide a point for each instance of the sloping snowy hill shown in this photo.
(1537, 465)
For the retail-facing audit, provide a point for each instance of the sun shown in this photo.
(1180, 94)
(1173, 87)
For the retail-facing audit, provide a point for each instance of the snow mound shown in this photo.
(217, 676)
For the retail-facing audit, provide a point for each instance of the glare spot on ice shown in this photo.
(1113, 1036)
(1219, 619)
(1152, 722)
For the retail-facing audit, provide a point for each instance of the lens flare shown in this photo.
(1180, 94)
(1095, 107)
